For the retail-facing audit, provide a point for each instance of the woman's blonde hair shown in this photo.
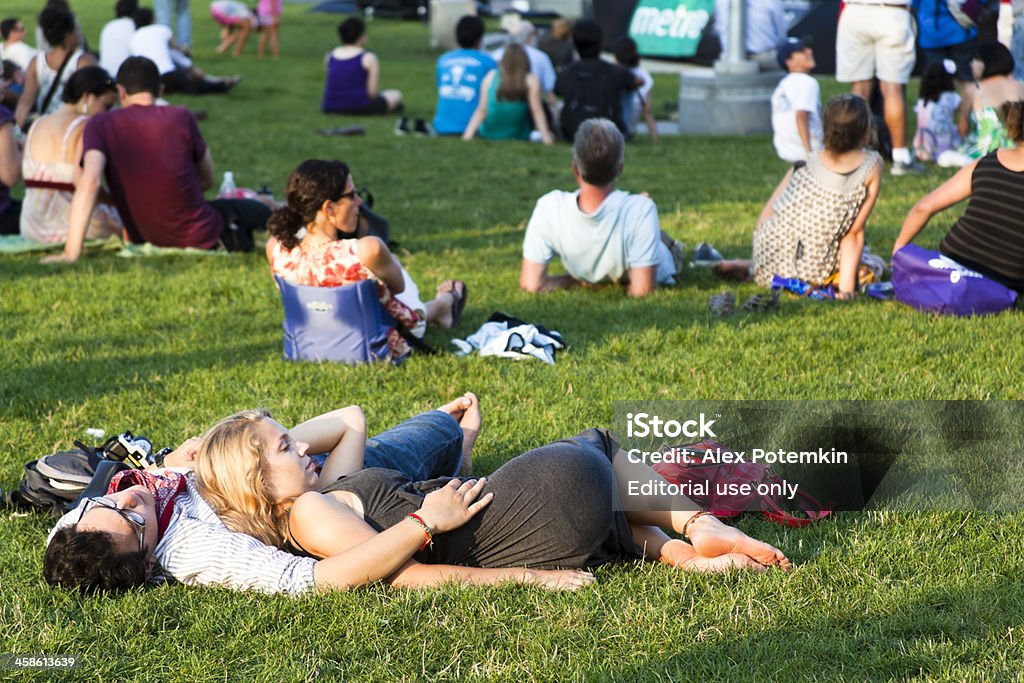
(513, 68)
(231, 476)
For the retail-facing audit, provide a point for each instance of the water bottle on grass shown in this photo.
(228, 190)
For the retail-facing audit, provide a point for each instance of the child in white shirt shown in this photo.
(796, 103)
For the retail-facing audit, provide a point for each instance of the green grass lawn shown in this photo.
(165, 346)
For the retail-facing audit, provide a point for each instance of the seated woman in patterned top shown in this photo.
(989, 236)
(812, 228)
(308, 247)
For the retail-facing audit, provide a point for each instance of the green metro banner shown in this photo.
(670, 28)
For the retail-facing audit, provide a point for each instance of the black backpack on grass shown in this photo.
(55, 483)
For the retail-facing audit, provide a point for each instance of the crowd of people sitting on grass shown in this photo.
(76, 158)
(245, 505)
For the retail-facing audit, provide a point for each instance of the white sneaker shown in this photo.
(952, 158)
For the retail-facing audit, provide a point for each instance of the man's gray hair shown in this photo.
(525, 33)
(598, 151)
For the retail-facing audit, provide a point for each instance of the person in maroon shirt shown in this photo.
(157, 167)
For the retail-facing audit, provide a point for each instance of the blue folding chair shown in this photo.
(344, 324)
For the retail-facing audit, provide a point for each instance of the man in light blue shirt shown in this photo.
(601, 234)
(459, 76)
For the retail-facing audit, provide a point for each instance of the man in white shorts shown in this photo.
(877, 39)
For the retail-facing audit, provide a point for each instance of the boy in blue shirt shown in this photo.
(459, 75)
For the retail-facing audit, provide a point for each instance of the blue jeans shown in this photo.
(423, 447)
(165, 10)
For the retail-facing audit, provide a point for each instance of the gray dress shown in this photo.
(812, 215)
(555, 506)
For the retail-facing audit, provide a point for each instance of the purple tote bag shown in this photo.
(930, 281)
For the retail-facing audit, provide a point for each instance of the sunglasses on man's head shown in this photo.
(137, 521)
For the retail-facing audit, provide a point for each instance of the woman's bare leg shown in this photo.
(243, 36)
(710, 538)
(439, 310)
(393, 98)
(261, 46)
(275, 44)
(227, 37)
(466, 409)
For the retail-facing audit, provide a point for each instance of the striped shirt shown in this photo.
(989, 237)
(198, 550)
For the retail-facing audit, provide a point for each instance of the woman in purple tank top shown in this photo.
(353, 76)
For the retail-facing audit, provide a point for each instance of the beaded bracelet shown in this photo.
(686, 527)
(426, 530)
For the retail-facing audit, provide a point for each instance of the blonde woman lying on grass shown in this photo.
(546, 516)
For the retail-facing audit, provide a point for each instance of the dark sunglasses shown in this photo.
(137, 521)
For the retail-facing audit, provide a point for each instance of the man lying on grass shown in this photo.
(601, 234)
(156, 525)
(557, 506)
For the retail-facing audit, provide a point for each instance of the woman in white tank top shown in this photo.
(60, 30)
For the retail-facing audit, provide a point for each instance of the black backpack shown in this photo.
(55, 483)
(588, 95)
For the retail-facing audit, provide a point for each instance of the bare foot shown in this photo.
(449, 300)
(723, 563)
(681, 554)
(442, 311)
(470, 422)
(466, 409)
(711, 539)
(456, 408)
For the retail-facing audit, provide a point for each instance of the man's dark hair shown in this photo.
(588, 37)
(626, 52)
(998, 60)
(86, 560)
(139, 74)
(56, 24)
(351, 30)
(125, 8)
(469, 31)
(142, 17)
(6, 26)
